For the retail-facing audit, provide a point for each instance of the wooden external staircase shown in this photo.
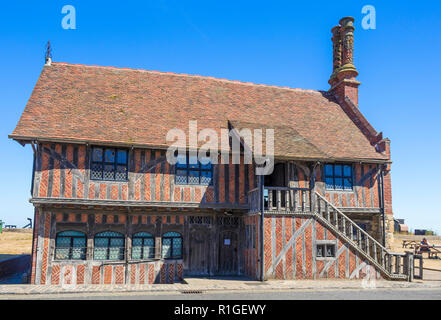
(392, 266)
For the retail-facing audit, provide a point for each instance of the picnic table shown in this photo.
(433, 252)
(410, 244)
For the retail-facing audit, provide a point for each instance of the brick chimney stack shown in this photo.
(342, 81)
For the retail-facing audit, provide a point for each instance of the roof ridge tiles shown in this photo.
(320, 92)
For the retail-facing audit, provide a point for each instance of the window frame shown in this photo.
(325, 244)
(103, 163)
(172, 256)
(71, 247)
(188, 169)
(343, 177)
(97, 236)
(144, 237)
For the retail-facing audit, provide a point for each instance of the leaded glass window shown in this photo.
(109, 246)
(191, 170)
(70, 245)
(143, 246)
(338, 177)
(172, 245)
(109, 164)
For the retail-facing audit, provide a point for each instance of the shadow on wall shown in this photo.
(14, 270)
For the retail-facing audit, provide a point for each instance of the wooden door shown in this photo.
(228, 253)
(199, 259)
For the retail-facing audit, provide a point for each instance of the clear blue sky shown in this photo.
(284, 43)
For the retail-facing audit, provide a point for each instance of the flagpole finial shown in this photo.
(48, 54)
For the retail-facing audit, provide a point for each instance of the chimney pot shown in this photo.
(343, 79)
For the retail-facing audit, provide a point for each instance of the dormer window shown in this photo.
(109, 164)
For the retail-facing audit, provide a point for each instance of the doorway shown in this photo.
(228, 253)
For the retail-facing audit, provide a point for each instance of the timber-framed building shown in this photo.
(110, 208)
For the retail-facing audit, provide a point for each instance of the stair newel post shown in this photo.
(335, 218)
(409, 266)
(328, 218)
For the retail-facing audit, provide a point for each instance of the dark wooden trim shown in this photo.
(123, 203)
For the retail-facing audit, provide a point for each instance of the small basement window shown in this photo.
(109, 164)
(325, 251)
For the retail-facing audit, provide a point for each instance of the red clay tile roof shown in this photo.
(138, 107)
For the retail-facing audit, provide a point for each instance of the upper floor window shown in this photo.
(189, 170)
(172, 245)
(338, 177)
(109, 164)
(70, 245)
(143, 246)
(109, 246)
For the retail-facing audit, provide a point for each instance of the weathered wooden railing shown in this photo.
(287, 199)
(399, 266)
(393, 265)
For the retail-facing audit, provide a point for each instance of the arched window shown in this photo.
(171, 245)
(70, 245)
(143, 246)
(109, 246)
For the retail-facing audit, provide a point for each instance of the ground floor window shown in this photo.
(143, 246)
(70, 245)
(109, 246)
(172, 245)
(325, 250)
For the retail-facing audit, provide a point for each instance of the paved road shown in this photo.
(367, 294)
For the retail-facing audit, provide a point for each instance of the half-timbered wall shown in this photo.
(290, 251)
(62, 171)
(47, 270)
(204, 251)
(361, 204)
(365, 193)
